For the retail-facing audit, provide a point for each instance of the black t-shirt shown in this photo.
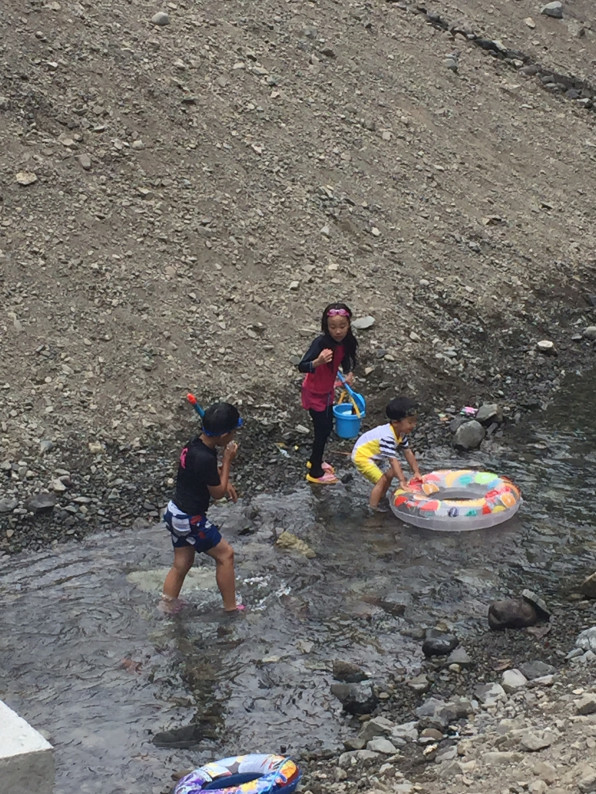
(197, 470)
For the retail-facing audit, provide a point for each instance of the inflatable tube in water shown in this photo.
(458, 500)
(243, 774)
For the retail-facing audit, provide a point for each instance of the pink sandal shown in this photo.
(237, 608)
(328, 478)
(325, 466)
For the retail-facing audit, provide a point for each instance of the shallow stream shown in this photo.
(129, 696)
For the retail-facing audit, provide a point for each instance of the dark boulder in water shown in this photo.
(348, 672)
(356, 698)
(437, 643)
(512, 613)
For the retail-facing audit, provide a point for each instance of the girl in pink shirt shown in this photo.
(335, 347)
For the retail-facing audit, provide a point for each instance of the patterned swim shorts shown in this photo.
(187, 530)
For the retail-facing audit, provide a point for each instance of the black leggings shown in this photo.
(323, 425)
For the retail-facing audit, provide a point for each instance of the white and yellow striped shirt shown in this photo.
(380, 443)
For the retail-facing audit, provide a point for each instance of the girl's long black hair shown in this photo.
(350, 343)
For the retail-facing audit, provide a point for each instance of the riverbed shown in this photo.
(129, 696)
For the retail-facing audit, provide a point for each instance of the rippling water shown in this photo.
(128, 696)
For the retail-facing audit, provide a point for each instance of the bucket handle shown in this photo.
(350, 393)
(345, 394)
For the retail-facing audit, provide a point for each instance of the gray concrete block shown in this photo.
(26, 758)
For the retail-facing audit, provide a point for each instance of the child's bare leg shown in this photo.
(380, 489)
(183, 560)
(225, 576)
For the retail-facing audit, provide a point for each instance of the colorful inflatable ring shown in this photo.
(243, 774)
(457, 500)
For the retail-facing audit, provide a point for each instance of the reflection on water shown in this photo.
(128, 696)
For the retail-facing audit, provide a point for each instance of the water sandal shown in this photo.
(170, 606)
(327, 479)
(237, 608)
(325, 466)
(378, 509)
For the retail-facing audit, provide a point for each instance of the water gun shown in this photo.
(193, 401)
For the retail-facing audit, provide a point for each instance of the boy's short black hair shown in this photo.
(400, 407)
(221, 418)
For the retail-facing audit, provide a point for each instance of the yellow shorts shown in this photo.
(368, 467)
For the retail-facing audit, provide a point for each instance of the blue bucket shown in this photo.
(347, 423)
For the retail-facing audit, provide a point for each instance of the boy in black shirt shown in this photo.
(198, 481)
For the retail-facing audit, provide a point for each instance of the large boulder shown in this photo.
(512, 613)
(469, 435)
(356, 698)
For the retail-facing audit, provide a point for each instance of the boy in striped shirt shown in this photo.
(375, 453)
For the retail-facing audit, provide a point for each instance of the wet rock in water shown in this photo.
(348, 672)
(489, 412)
(587, 588)
(512, 613)
(356, 698)
(438, 643)
(554, 10)
(186, 736)
(396, 603)
(41, 503)
(513, 680)
(536, 669)
(469, 435)
(287, 540)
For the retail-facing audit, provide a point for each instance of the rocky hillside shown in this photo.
(186, 186)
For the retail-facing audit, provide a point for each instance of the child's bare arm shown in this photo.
(412, 462)
(219, 491)
(398, 471)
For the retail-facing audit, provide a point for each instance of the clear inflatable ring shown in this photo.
(456, 500)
